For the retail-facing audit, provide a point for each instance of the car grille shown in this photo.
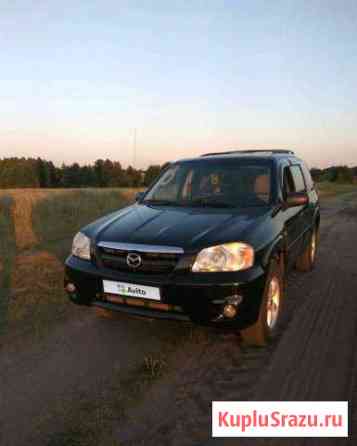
(150, 262)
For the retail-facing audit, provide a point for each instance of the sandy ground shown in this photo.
(40, 383)
(314, 358)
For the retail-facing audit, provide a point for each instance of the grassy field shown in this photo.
(328, 190)
(36, 231)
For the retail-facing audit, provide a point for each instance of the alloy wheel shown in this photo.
(273, 302)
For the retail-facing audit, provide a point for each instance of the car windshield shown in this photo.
(213, 184)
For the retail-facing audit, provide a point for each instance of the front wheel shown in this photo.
(270, 311)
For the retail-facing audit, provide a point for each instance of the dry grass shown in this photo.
(23, 202)
(57, 217)
(36, 229)
(36, 302)
(129, 193)
(36, 290)
(22, 217)
(26, 199)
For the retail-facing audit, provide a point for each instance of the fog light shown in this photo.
(234, 300)
(229, 311)
(70, 288)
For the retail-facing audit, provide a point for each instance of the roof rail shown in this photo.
(288, 152)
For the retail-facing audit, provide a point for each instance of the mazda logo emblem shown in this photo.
(133, 260)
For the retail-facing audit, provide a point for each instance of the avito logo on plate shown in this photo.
(129, 290)
(132, 290)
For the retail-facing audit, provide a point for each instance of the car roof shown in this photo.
(249, 154)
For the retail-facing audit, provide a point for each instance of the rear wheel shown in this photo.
(306, 260)
(270, 309)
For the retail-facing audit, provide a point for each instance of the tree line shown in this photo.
(335, 174)
(39, 173)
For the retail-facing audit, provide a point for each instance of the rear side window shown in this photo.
(298, 179)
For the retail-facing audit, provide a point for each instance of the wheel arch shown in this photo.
(275, 250)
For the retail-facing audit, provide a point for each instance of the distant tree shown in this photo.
(107, 172)
(134, 177)
(165, 165)
(116, 175)
(43, 173)
(344, 175)
(54, 175)
(329, 174)
(71, 175)
(151, 173)
(99, 173)
(88, 178)
(316, 174)
(18, 172)
(338, 174)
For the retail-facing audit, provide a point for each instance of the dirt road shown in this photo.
(314, 358)
(82, 362)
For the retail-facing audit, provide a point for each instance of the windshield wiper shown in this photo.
(210, 201)
(162, 202)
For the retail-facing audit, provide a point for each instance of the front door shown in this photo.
(293, 181)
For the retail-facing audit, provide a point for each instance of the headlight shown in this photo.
(228, 257)
(81, 246)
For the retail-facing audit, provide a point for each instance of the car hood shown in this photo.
(189, 228)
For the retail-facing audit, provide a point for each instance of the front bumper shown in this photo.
(200, 296)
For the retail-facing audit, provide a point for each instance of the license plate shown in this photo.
(131, 289)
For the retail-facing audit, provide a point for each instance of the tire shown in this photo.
(264, 330)
(306, 261)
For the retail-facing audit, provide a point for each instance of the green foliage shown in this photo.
(344, 175)
(338, 174)
(33, 173)
(18, 172)
(316, 174)
(151, 173)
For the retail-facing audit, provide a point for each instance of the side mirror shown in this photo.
(295, 199)
(139, 196)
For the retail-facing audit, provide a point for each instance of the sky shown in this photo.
(77, 77)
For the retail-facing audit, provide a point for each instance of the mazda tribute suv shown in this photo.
(211, 241)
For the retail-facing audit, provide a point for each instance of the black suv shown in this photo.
(210, 241)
